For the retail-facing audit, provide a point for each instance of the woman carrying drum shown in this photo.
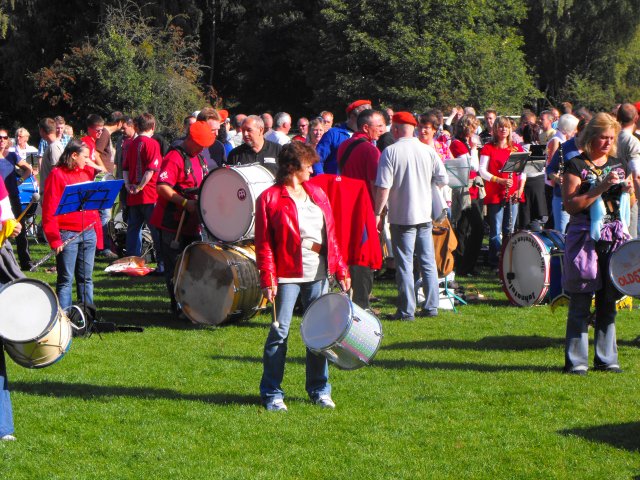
(503, 190)
(77, 257)
(9, 271)
(595, 193)
(296, 247)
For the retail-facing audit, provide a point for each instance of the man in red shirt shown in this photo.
(140, 171)
(182, 171)
(95, 128)
(358, 158)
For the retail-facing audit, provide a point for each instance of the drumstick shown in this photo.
(34, 198)
(175, 243)
(275, 319)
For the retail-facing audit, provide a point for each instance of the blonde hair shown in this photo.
(22, 131)
(501, 122)
(599, 124)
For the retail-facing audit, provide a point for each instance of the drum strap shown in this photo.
(348, 151)
(188, 168)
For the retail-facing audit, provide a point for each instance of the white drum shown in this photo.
(44, 351)
(29, 309)
(227, 200)
(624, 268)
(341, 331)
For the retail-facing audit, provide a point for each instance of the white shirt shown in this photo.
(278, 137)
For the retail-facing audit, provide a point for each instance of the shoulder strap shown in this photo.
(347, 153)
(188, 167)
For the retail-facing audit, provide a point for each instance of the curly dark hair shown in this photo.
(292, 158)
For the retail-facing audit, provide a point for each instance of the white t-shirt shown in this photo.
(311, 225)
(409, 169)
(278, 137)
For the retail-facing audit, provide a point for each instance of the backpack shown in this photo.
(444, 244)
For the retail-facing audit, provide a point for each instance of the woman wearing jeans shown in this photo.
(595, 193)
(296, 247)
(501, 190)
(77, 257)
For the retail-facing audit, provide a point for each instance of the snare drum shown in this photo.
(531, 267)
(341, 331)
(624, 268)
(218, 283)
(227, 200)
(35, 330)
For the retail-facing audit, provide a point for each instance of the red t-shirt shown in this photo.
(497, 158)
(91, 143)
(362, 162)
(143, 151)
(59, 178)
(167, 215)
(459, 149)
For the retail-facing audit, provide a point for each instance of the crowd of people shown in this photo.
(403, 162)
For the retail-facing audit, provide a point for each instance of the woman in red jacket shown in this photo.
(77, 257)
(296, 247)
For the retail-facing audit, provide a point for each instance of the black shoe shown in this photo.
(427, 314)
(106, 253)
(396, 316)
(27, 266)
(610, 369)
(575, 372)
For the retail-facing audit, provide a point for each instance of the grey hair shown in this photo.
(258, 121)
(281, 118)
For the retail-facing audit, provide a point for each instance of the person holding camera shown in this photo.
(595, 193)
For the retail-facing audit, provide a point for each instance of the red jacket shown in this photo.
(278, 243)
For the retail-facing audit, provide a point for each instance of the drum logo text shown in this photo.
(242, 194)
(629, 278)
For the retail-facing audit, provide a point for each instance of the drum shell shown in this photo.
(45, 351)
(217, 284)
(227, 200)
(355, 340)
(30, 310)
(624, 268)
(529, 256)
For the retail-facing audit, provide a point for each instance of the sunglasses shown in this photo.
(4, 137)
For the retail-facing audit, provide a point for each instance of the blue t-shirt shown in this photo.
(569, 150)
(8, 172)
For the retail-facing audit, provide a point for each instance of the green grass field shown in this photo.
(473, 394)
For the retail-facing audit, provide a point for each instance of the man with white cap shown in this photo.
(407, 172)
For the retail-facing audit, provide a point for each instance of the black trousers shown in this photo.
(469, 231)
(361, 284)
(22, 243)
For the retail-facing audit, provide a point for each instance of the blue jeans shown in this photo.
(404, 240)
(76, 259)
(576, 354)
(105, 216)
(499, 227)
(275, 348)
(138, 216)
(560, 217)
(6, 414)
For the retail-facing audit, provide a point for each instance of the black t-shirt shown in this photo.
(267, 157)
(589, 174)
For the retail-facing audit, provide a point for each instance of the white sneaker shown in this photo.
(8, 438)
(276, 405)
(324, 401)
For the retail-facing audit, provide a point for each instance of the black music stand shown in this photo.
(87, 196)
(514, 164)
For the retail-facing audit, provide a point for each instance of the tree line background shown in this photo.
(172, 57)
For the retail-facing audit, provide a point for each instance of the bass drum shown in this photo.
(227, 200)
(531, 267)
(624, 268)
(217, 284)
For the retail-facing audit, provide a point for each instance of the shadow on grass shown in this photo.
(506, 343)
(404, 363)
(84, 390)
(623, 435)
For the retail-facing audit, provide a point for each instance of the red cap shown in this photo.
(356, 104)
(201, 133)
(224, 114)
(405, 118)
(637, 104)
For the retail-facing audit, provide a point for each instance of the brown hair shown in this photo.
(501, 122)
(292, 158)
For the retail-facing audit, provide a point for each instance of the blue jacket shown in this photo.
(328, 149)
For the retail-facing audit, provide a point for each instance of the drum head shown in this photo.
(525, 269)
(29, 309)
(326, 320)
(227, 200)
(624, 268)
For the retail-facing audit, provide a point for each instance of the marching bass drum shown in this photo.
(227, 200)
